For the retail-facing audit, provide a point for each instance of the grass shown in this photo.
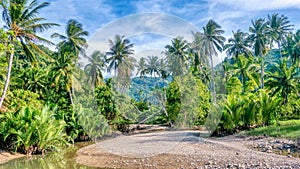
(284, 129)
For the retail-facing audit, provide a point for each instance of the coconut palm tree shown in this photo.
(244, 68)
(74, 39)
(279, 27)
(283, 80)
(177, 55)
(21, 18)
(93, 69)
(152, 63)
(141, 67)
(62, 72)
(120, 49)
(213, 41)
(259, 37)
(238, 45)
(291, 47)
(196, 47)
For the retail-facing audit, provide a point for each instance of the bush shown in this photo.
(31, 130)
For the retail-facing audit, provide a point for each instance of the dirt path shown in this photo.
(180, 149)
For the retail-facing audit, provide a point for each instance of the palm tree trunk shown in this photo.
(262, 72)
(7, 77)
(70, 94)
(212, 83)
(279, 47)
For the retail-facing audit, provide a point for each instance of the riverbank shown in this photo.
(183, 149)
(6, 156)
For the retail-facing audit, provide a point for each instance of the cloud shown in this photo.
(140, 24)
(258, 5)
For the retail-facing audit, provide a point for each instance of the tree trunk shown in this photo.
(7, 77)
(279, 47)
(70, 94)
(262, 72)
(212, 83)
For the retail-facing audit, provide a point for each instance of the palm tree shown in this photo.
(177, 55)
(152, 64)
(213, 41)
(21, 18)
(120, 49)
(141, 67)
(162, 69)
(74, 41)
(62, 72)
(93, 69)
(196, 47)
(259, 37)
(284, 79)
(291, 47)
(244, 68)
(279, 27)
(238, 44)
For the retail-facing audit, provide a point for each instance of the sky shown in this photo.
(151, 24)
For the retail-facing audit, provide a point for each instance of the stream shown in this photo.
(62, 160)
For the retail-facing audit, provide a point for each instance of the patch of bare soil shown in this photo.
(181, 149)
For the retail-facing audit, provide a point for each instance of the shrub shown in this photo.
(31, 130)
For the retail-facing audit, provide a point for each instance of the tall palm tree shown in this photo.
(279, 27)
(21, 18)
(93, 69)
(213, 41)
(197, 49)
(283, 80)
(238, 44)
(120, 49)
(177, 55)
(259, 37)
(62, 72)
(74, 41)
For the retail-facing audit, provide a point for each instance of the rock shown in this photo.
(288, 150)
(298, 142)
(289, 156)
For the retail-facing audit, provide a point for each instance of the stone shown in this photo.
(298, 142)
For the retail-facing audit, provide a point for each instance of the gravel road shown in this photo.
(181, 149)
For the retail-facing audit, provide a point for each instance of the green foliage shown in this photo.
(31, 130)
(105, 102)
(19, 98)
(173, 102)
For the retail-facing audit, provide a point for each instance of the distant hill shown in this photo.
(141, 87)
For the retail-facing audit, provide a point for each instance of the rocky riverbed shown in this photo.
(187, 149)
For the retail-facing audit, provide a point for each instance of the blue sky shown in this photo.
(96, 15)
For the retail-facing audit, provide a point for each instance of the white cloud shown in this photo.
(139, 24)
(258, 5)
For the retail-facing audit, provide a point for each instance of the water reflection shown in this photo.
(63, 160)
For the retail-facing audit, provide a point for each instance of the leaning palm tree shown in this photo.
(74, 41)
(93, 69)
(259, 37)
(238, 45)
(213, 41)
(120, 49)
(21, 18)
(177, 55)
(279, 27)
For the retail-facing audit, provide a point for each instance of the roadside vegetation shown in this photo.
(43, 108)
